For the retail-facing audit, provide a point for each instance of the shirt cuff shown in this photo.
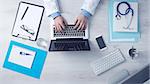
(54, 15)
(86, 13)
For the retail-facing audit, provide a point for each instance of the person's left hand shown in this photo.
(81, 22)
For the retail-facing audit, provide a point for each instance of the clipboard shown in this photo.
(30, 64)
(22, 56)
(121, 36)
(127, 22)
(28, 20)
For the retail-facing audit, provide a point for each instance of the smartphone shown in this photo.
(101, 43)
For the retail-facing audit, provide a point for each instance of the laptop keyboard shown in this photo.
(69, 31)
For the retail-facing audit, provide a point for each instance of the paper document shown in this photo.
(127, 22)
(22, 56)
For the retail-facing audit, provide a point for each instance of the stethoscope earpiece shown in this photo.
(118, 17)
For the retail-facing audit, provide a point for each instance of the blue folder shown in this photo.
(121, 36)
(37, 64)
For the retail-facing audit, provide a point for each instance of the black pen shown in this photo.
(23, 53)
(24, 13)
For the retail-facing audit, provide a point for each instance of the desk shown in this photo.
(72, 67)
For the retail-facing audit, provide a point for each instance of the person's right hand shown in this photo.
(60, 23)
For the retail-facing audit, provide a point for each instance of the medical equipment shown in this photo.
(127, 11)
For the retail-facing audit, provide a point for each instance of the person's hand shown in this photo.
(81, 22)
(60, 23)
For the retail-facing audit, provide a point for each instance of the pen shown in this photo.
(24, 13)
(22, 53)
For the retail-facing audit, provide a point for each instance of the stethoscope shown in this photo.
(128, 10)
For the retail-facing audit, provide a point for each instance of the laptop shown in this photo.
(140, 77)
(69, 40)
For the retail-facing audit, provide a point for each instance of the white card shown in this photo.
(122, 24)
(22, 59)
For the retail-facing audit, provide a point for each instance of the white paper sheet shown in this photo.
(23, 60)
(125, 19)
(30, 18)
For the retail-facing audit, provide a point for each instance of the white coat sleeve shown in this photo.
(51, 6)
(90, 5)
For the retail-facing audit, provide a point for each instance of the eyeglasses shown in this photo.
(25, 28)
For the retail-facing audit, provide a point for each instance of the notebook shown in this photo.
(25, 59)
(127, 22)
(121, 36)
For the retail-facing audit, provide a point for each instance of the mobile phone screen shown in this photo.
(101, 42)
